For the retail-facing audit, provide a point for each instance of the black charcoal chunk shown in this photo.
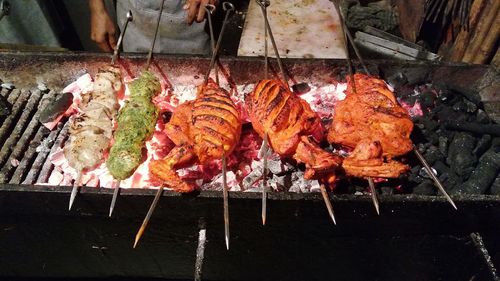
(460, 154)
(443, 145)
(301, 88)
(387, 190)
(432, 154)
(425, 188)
(483, 176)
(482, 145)
(4, 106)
(482, 117)
(470, 107)
(495, 187)
(56, 107)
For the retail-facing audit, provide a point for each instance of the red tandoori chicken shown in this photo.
(289, 122)
(203, 130)
(370, 121)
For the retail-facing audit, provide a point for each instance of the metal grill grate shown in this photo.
(26, 143)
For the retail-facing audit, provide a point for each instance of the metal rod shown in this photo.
(374, 195)
(328, 203)
(228, 8)
(122, 34)
(113, 200)
(263, 5)
(265, 148)
(211, 9)
(433, 176)
(226, 203)
(74, 191)
(150, 55)
(266, 54)
(200, 250)
(148, 216)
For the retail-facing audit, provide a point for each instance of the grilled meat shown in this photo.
(135, 124)
(288, 122)
(91, 129)
(203, 130)
(370, 121)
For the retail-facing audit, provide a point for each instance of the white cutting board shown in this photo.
(301, 28)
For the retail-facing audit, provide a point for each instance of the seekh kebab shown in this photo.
(91, 129)
(135, 125)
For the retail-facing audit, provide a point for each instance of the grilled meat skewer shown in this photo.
(90, 131)
(370, 121)
(288, 122)
(135, 124)
(203, 130)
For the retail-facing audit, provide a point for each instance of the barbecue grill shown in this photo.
(415, 238)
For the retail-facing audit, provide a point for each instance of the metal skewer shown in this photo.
(160, 190)
(226, 203)
(328, 203)
(116, 191)
(74, 191)
(76, 184)
(113, 60)
(265, 146)
(373, 191)
(265, 150)
(148, 216)
(422, 160)
(228, 8)
(150, 54)
(211, 9)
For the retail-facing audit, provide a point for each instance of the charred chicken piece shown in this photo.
(203, 130)
(289, 122)
(370, 121)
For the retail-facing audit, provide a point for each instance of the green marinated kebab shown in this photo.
(135, 125)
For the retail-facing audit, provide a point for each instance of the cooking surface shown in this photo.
(301, 28)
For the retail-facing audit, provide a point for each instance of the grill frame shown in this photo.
(172, 234)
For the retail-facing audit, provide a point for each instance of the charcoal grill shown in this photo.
(415, 238)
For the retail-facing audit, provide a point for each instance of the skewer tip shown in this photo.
(72, 197)
(227, 242)
(113, 200)
(328, 204)
(263, 220)
(138, 236)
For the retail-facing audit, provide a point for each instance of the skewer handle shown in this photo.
(209, 8)
(120, 39)
(150, 54)
(228, 8)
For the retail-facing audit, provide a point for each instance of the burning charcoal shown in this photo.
(427, 99)
(4, 106)
(282, 182)
(483, 176)
(301, 88)
(495, 187)
(460, 156)
(482, 145)
(443, 145)
(251, 178)
(425, 188)
(56, 107)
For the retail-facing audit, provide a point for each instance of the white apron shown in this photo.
(175, 35)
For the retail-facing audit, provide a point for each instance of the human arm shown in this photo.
(196, 9)
(102, 27)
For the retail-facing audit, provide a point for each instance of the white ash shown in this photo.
(300, 184)
(185, 93)
(216, 183)
(42, 87)
(8, 86)
(14, 162)
(249, 181)
(45, 145)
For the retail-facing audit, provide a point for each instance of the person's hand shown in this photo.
(102, 28)
(196, 9)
